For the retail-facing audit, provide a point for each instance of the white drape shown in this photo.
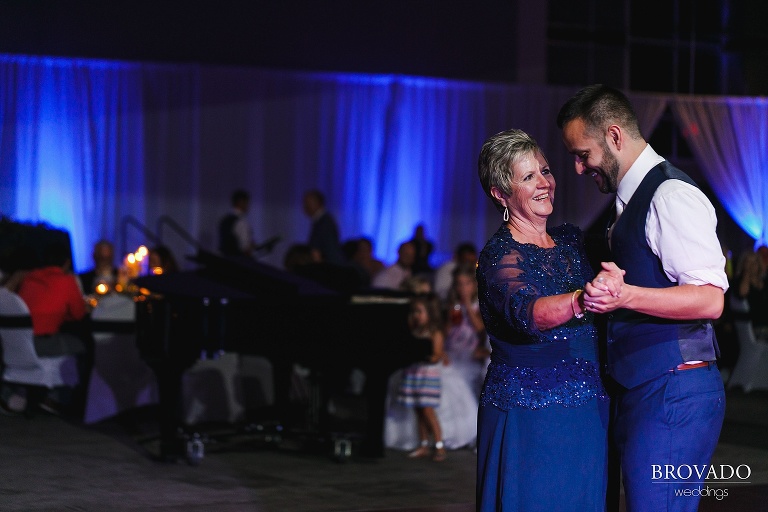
(729, 137)
(649, 108)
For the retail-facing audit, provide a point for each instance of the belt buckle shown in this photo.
(693, 366)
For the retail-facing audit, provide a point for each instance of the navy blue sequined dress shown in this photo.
(543, 415)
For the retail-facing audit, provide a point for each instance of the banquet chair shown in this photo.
(21, 364)
(751, 370)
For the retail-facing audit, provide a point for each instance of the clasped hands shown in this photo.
(603, 293)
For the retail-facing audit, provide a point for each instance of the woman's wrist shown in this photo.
(578, 311)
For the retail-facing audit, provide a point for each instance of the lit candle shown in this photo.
(132, 265)
(141, 260)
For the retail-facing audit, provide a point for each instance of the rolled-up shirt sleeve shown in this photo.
(681, 230)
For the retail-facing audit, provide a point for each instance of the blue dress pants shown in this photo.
(665, 429)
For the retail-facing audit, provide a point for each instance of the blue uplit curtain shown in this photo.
(71, 145)
(174, 182)
(729, 137)
(85, 145)
(389, 152)
(432, 133)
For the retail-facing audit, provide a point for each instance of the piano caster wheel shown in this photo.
(342, 450)
(195, 450)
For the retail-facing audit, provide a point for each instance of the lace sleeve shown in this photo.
(512, 276)
(512, 294)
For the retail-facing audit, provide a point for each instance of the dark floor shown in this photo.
(52, 464)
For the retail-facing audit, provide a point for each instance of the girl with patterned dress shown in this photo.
(420, 384)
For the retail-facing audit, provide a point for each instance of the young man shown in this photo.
(667, 285)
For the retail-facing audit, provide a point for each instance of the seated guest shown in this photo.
(360, 254)
(393, 276)
(54, 299)
(103, 271)
(162, 261)
(366, 258)
(465, 254)
(349, 248)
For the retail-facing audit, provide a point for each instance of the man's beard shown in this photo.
(609, 169)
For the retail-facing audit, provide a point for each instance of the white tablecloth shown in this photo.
(120, 380)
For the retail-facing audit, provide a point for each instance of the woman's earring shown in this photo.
(506, 214)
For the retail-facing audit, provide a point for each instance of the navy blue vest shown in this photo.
(642, 347)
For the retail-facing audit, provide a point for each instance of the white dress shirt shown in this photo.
(242, 231)
(680, 226)
(391, 277)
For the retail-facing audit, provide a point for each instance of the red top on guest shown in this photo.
(53, 297)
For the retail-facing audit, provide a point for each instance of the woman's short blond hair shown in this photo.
(497, 157)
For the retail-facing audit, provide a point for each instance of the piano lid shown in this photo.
(233, 278)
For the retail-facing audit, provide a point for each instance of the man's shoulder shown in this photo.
(675, 186)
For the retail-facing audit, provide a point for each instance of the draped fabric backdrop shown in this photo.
(100, 148)
(729, 137)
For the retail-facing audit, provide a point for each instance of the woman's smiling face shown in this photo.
(533, 187)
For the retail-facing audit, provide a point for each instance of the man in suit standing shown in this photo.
(660, 296)
(324, 234)
(235, 237)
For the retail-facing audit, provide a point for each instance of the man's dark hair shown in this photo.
(319, 196)
(600, 106)
(239, 195)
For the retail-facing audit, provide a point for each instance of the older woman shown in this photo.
(543, 411)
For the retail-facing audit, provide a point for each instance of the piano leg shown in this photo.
(376, 396)
(169, 388)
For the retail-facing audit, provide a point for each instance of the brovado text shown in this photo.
(723, 472)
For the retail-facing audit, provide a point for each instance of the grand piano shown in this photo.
(319, 320)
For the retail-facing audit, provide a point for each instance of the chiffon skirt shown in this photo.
(550, 459)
